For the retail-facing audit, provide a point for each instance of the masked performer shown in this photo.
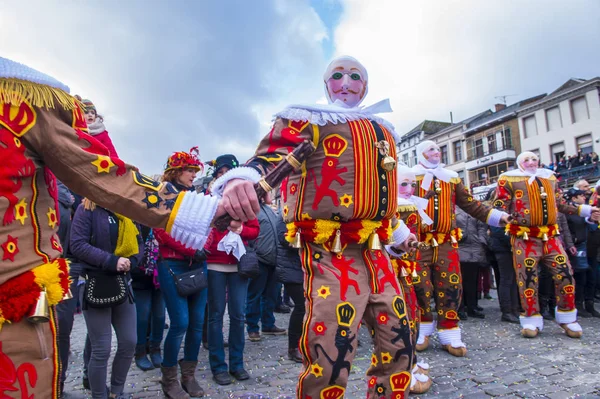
(43, 134)
(412, 211)
(530, 196)
(342, 197)
(438, 264)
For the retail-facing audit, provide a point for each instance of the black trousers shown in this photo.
(470, 275)
(296, 292)
(584, 284)
(508, 293)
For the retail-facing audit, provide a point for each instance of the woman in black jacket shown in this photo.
(289, 272)
(508, 294)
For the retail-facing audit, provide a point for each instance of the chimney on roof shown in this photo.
(499, 107)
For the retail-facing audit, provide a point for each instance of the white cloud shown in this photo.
(169, 76)
(433, 57)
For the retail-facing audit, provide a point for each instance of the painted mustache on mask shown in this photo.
(348, 90)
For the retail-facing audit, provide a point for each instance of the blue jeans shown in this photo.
(232, 288)
(150, 309)
(186, 313)
(262, 297)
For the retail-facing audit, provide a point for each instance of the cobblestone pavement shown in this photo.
(499, 364)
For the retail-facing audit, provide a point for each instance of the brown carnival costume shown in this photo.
(42, 134)
(343, 196)
(532, 201)
(438, 264)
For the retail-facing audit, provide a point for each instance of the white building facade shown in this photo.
(564, 122)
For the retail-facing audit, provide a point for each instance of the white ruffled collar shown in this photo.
(420, 204)
(323, 114)
(540, 172)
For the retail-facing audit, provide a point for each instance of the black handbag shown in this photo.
(105, 290)
(248, 266)
(189, 283)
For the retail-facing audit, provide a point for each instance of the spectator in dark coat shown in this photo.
(149, 305)
(472, 257)
(262, 290)
(289, 272)
(508, 294)
(584, 275)
(109, 244)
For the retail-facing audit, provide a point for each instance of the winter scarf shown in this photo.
(96, 127)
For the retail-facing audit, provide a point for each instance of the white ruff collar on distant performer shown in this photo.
(323, 114)
(540, 172)
(440, 172)
(421, 204)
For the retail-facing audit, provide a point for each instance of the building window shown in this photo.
(507, 139)
(536, 152)
(414, 158)
(479, 148)
(457, 151)
(553, 119)
(530, 126)
(444, 150)
(491, 139)
(405, 158)
(584, 144)
(579, 109)
(461, 174)
(558, 151)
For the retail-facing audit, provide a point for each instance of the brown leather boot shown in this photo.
(170, 384)
(188, 380)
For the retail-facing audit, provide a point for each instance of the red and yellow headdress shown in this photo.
(181, 160)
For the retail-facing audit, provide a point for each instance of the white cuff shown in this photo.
(425, 330)
(400, 234)
(242, 172)
(452, 337)
(420, 365)
(494, 217)
(562, 317)
(192, 221)
(585, 211)
(532, 322)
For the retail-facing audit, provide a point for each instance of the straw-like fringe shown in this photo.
(15, 91)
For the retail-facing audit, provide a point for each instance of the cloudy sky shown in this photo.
(171, 75)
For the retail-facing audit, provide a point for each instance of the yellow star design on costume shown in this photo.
(324, 291)
(103, 163)
(374, 360)
(286, 210)
(346, 200)
(51, 218)
(305, 216)
(316, 370)
(21, 211)
(386, 358)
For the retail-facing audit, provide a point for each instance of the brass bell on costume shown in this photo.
(374, 242)
(414, 273)
(403, 273)
(297, 240)
(543, 193)
(525, 236)
(40, 313)
(434, 243)
(388, 163)
(545, 237)
(68, 295)
(336, 248)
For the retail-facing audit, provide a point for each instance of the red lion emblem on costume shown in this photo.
(14, 168)
(9, 375)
